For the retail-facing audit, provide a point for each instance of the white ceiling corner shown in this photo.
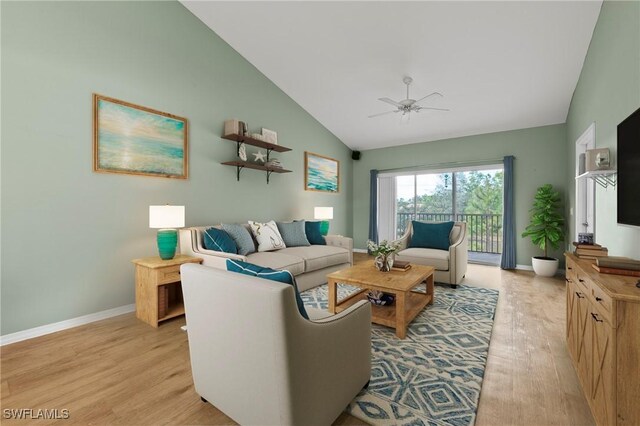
(500, 65)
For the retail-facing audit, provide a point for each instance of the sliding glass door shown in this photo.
(473, 196)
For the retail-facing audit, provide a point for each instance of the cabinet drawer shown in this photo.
(582, 282)
(601, 300)
(167, 275)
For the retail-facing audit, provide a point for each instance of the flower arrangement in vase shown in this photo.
(384, 253)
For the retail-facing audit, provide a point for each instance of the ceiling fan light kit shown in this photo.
(408, 105)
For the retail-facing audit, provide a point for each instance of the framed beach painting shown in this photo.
(136, 140)
(321, 173)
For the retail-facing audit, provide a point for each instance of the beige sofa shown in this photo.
(450, 265)
(254, 357)
(310, 265)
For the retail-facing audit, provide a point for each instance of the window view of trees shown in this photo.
(477, 198)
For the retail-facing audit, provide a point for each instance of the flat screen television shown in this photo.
(629, 170)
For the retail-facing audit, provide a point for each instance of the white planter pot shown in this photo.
(544, 266)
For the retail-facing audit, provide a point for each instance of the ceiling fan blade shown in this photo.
(383, 113)
(428, 96)
(437, 109)
(391, 101)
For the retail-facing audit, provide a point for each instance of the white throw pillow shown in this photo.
(267, 235)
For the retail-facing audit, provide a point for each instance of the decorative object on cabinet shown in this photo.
(136, 140)
(242, 164)
(270, 136)
(603, 332)
(166, 219)
(546, 228)
(324, 214)
(158, 288)
(321, 173)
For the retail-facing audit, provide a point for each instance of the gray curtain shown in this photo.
(373, 206)
(508, 260)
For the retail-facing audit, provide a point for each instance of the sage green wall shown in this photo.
(540, 158)
(608, 91)
(68, 234)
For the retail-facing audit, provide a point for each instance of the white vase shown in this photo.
(544, 266)
(384, 263)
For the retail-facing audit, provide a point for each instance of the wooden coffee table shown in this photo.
(408, 303)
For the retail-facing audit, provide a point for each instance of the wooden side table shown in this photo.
(158, 289)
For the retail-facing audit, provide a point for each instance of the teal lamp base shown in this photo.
(167, 242)
(324, 227)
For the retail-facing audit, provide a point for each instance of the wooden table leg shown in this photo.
(333, 295)
(401, 315)
(430, 291)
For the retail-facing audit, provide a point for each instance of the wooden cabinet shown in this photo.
(158, 288)
(603, 338)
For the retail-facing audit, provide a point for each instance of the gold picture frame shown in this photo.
(321, 174)
(136, 140)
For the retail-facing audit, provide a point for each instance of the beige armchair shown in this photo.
(255, 358)
(450, 265)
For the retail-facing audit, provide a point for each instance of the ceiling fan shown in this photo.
(408, 105)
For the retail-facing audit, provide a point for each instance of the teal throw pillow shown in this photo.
(284, 276)
(218, 240)
(293, 233)
(242, 238)
(312, 229)
(431, 235)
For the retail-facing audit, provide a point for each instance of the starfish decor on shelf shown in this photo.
(259, 156)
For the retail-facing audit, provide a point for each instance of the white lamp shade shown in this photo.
(323, 213)
(166, 217)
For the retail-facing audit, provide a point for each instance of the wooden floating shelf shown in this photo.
(239, 165)
(255, 142)
(255, 166)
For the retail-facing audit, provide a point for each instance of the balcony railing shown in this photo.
(484, 231)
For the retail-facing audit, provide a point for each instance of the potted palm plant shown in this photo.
(546, 229)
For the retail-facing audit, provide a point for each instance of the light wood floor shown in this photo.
(122, 371)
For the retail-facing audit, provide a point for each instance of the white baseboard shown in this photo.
(64, 325)
(357, 250)
(524, 267)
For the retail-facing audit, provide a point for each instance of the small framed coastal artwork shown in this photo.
(137, 140)
(321, 173)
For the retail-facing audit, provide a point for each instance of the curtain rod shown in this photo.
(444, 165)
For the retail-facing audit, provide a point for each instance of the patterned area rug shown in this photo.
(434, 376)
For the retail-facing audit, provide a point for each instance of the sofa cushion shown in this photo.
(293, 233)
(431, 235)
(278, 260)
(218, 240)
(267, 235)
(241, 236)
(285, 277)
(439, 259)
(312, 229)
(318, 257)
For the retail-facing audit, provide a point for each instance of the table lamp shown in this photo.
(166, 219)
(324, 214)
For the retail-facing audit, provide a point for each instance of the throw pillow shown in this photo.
(312, 229)
(284, 276)
(431, 235)
(267, 235)
(218, 240)
(242, 238)
(293, 233)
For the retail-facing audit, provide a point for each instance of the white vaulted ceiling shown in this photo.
(500, 65)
